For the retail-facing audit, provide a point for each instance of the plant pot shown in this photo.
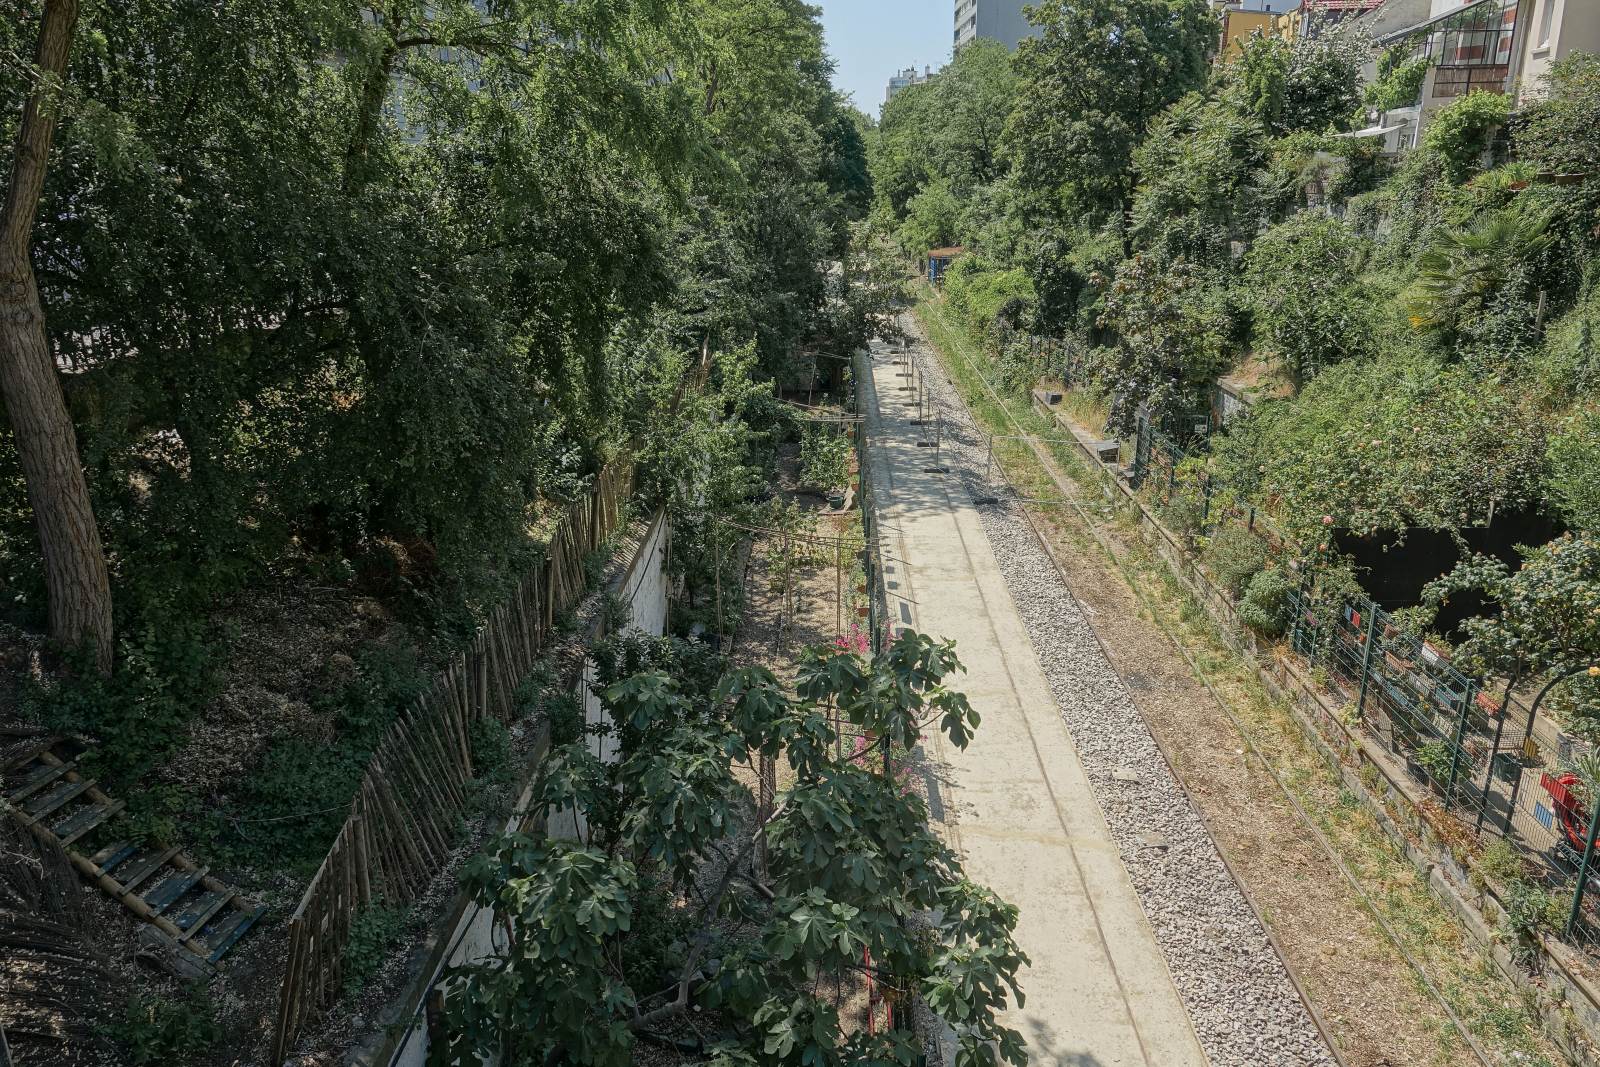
(836, 501)
(864, 611)
(1398, 664)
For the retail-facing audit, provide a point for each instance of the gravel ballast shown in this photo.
(1234, 984)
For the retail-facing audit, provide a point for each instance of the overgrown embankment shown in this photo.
(1366, 951)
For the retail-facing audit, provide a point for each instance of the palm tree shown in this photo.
(1458, 277)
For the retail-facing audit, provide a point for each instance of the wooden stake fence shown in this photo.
(402, 822)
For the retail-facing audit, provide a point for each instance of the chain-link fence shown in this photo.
(1492, 762)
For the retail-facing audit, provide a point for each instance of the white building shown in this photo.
(1549, 31)
(899, 83)
(999, 20)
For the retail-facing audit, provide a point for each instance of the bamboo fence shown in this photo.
(402, 824)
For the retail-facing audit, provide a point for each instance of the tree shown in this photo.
(1545, 617)
(1558, 133)
(1311, 310)
(660, 908)
(1195, 193)
(1324, 83)
(947, 133)
(1460, 278)
(1092, 81)
(972, 98)
(77, 580)
(1173, 336)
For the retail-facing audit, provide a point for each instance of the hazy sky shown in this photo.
(871, 39)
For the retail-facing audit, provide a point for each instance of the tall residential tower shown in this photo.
(1001, 20)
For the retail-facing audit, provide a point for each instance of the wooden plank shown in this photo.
(84, 822)
(232, 932)
(169, 890)
(110, 857)
(59, 795)
(200, 911)
(136, 875)
(46, 774)
(31, 753)
(288, 1027)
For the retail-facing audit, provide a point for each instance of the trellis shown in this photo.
(401, 828)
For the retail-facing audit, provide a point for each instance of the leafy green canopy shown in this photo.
(358, 295)
(1172, 332)
(1302, 278)
(1575, 469)
(1093, 80)
(1386, 445)
(1307, 85)
(854, 879)
(1196, 191)
(940, 143)
(1547, 612)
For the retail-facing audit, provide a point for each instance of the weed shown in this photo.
(491, 751)
(372, 934)
(162, 1030)
(1500, 862)
(1234, 556)
(1531, 910)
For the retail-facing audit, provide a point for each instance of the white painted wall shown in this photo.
(473, 937)
(1553, 30)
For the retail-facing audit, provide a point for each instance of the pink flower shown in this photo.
(1327, 520)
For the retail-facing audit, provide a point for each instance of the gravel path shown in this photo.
(1235, 986)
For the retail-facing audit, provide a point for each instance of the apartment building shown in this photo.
(998, 20)
(905, 79)
(1548, 31)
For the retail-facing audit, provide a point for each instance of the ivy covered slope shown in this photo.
(348, 301)
(1421, 327)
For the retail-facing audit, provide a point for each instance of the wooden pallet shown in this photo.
(197, 914)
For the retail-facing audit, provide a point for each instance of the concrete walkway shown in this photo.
(1016, 803)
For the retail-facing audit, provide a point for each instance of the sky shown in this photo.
(872, 39)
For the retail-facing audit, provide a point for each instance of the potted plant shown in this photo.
(1435, 758)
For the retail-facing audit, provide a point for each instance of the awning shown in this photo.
(1371, 131)
(1409, 31)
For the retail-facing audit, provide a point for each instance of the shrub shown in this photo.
(1574, 463)
(166, 670)
(1531, 910)
(1310, 308)
(825, 458)
(1461, 132)
(1501, 862)
(1265, 607)
(162, 1030)
(1399, 85)
(1234, 556)
(372, 935)
(491, 751)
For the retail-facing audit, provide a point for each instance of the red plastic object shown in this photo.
(1574, 820)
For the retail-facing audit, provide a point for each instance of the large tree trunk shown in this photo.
(74, 561)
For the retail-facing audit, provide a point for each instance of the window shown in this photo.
(1547, 15)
